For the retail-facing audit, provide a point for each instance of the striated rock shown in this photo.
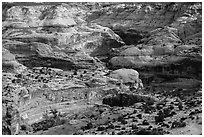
(162, 36)
(169, 62)
(145, 17)
(57, 16)
(57, 35)
(131, 61)
(141, 16)
(162, 42)
(159, 29)
(189, 25)
(66, 53)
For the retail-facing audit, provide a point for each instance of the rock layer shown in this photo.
(75, 43)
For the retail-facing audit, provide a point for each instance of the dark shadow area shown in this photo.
(131, 36)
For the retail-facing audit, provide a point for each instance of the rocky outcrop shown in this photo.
(56, 33)
(162, 42)
(162, 49)
(155, 31)
(9, 63)
(57, 16)
(146, 17)
(76, 41)
(56, 57)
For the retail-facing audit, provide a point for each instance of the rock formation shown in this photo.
(102, 68)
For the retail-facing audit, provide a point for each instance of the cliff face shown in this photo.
(145, 17)
(69, 57)
(156, 34)
(56, 33)
(70, 34)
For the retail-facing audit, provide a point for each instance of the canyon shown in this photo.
(102, 68)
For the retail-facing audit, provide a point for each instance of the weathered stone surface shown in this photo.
(185, 17)
(125, 75)
(162, 42)
(58, 35)
(67, 55)
(57, 16)
(161, 28)
(9, 63)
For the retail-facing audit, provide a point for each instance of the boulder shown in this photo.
(125, 75)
